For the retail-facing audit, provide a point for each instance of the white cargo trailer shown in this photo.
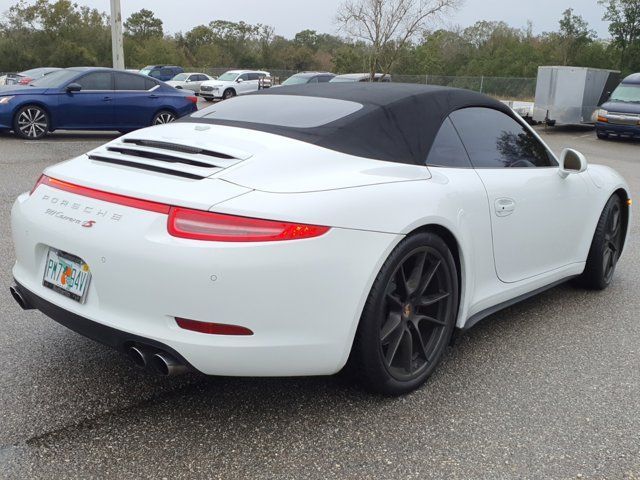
(571, 95)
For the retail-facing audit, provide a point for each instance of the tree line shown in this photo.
(62, 33)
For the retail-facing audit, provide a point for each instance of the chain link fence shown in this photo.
(503, 88)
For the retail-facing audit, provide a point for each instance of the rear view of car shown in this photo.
(620, 115)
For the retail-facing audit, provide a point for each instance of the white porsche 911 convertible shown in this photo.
(301, 229)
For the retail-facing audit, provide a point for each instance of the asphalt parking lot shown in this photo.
(549, 388)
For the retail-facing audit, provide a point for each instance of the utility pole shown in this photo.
(117, 47)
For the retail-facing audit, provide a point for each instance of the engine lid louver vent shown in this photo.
(168, 158)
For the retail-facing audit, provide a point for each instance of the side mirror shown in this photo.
(239, 80)
(187, 80)
(73, 87)
(572, 161)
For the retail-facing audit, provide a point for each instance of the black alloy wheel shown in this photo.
(31, 122)
(606, 246)
(409, 317)
(228, 93)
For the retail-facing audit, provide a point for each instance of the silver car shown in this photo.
(189, 81)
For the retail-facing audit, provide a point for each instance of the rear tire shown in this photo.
(606, 247)
(162, 117)
(31, 122)
(409, 317)
(602, 135)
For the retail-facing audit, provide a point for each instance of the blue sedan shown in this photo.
(90, 99)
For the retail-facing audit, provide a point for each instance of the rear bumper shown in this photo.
(111, 337)
(302, 299)
(630, 131)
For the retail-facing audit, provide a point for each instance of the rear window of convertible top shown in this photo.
(281, 110)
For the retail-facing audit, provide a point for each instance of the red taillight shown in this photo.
(101, 195)
(193, 99)
(199, 225)
(212, 328)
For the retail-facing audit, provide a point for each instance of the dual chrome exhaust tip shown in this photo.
(153, 359)
(160, 363)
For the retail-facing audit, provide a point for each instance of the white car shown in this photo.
(292, 231)
(235, 82)
(189, 81)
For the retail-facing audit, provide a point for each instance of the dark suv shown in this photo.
(163, 73)
(620, 115)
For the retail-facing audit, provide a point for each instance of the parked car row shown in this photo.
(239, 82)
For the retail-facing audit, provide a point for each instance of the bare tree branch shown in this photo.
(388, 26)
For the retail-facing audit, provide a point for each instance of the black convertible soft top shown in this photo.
(391, 122)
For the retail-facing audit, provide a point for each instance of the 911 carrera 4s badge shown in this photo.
(66, 274)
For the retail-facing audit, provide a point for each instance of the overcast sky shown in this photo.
(291, 16)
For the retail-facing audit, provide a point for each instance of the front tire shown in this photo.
(606, 247)
(409, 317)
(162, 117)
(228, 93)
(31, 122)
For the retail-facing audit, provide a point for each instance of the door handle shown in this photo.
(153, 95)
(504, 206)
(107, 99)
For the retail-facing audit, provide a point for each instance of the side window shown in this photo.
(495, 140)
(313, 80)
(149, 84)
(130, 82)
(167, 72)
(96, 81)
(244, 77)
(254, 76)
(154, 73)
(447, 149)
(324, 78)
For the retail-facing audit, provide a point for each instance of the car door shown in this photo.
(194, 82)
(91, 107)
(537, 217)
(136, 100)
(246, 85)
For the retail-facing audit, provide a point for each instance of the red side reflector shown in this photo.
(101, 195)
(212, 328)
(199, 225)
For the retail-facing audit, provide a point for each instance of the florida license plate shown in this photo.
(67, 274)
